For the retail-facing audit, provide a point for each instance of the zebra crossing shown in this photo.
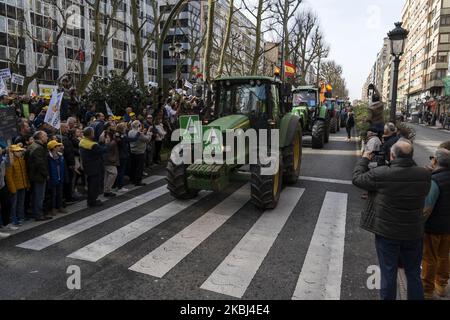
(320, 276)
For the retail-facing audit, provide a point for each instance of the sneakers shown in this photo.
(98, 203)
(12, 227)
(4, 235)
(46, 218)
(123, 190)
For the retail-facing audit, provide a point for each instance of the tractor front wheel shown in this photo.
(266, 189)
(292, 159)
(177, 182)
(318, 134)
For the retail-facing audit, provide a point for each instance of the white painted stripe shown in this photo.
(159, 262)
(83, 205)
(79, 226)
(113, 241)
(320, 278)
(235, 273)
(334, 181)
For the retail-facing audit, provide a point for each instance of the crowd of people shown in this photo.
(408, 209)
(44, 169)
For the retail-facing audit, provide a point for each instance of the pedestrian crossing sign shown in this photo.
(191, 128)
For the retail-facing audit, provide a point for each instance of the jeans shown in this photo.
(121, 173)
(37, 199)
(18, 206)
(94, 186)
(389, 252)
(137, 164)
(56, 195)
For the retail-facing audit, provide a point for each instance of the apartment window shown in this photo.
(445, 20)
(3, 55)
(444, 37)
(11, 26)
(2, 24)
(442, 57)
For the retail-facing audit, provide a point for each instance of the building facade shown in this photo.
(28, 28)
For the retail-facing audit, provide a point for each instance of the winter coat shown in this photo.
(111, 158)
(57, 170)
(376, 113)
(92, 157)
(439, 220)
(69, 152)
(17, 176)
(37, 164)
(139, 146)
(396, 198)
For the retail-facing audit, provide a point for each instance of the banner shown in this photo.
(188, 85)
(3, 89)
(46, 90)
(17, 79)
(52, 117)
(8, 123)
(5, 74)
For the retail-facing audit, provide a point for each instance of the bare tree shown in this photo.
(209, 41)
(102, 34)
(332, 73)
(306, 46)
(231, 11)
(284, 11)
(260, 16)
(48, 48)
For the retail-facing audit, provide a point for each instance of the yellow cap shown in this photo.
(16, 148)
(53, 144)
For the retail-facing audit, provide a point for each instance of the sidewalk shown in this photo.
(438, 126)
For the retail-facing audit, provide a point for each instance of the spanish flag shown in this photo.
(289, 69)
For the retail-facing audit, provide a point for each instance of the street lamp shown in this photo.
(177, 53)
(398, 38)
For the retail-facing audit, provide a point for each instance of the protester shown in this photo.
(159, 137)
(37, 165)
(394, 213)
(92, 161)
(111, 161)
(390, 137)
(435, 264)
(373, 144)
(349, 125)
(138, 149)
(90, 114)
(5, 206)
(69, 159)
(124, 155)
(24, 132)
(56, 165)
(18, 183)
(98, 125)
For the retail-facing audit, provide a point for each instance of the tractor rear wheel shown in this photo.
(292, 159)
(318, 134)
(327, 128)
(333, 125)
(338, 125)
(177, 182)
(266, 189)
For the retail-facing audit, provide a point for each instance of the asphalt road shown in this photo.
(145, 245)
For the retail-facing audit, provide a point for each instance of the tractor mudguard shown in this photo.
(323, 112)
(288, 128)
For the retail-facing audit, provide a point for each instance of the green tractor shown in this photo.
(314, 116)
(334, 111)
(243, 106)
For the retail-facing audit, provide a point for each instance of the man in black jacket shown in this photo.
(69, 157)
(390, 138)
(394, 213)
(435, 265)
(92, 161)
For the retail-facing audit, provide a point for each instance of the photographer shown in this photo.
(110, 158)
(140, 138)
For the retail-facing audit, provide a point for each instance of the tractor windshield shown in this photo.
(243, 99)
(302, 97)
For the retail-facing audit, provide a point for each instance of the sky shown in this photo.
(355, 29)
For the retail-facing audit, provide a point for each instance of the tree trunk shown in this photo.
(209, 41)
(138, 43)
(258, 38)
(226, 40)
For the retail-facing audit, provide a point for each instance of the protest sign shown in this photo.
(8, 123)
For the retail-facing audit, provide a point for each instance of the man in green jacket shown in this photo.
(37, 165)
